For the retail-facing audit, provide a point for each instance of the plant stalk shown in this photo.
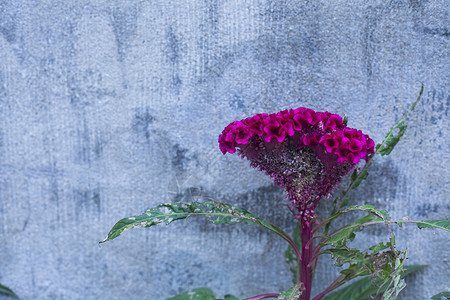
(305, 268)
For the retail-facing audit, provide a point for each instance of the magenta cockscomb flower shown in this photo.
(304, 151)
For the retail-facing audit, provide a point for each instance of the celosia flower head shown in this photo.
(304, 151)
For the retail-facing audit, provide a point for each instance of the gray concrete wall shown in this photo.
(110, 107)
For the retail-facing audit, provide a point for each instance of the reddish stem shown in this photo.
(306, 270)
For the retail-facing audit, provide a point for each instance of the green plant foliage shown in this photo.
(196, 294)
(230, 297)
(386, 147)
(340, 237)
(7, 291)
(441, 296)
(216, 212)
(442, 224)
(293, 293)
(348, 255)
(381, 259)
(357, 178)
(291, 257)
(381, 264)
(381, 214)
(368, 286)
(398, 283)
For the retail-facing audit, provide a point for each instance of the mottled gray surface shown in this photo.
(110, 107)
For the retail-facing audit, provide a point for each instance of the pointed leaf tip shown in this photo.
(441, 224)
(7, 291)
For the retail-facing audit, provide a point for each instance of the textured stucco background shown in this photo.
(110, 107)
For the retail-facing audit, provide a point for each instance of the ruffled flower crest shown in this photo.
(304, 151)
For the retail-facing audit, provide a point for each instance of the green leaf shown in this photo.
(398, 283)
(382, 214)
(358, 178)
(381, 246)
(366, 287)
(7, 291)
(196, 294)
(291, 257)
(441, 296)
(386, 265)
(293, 293)
(442, 224)
(340, 237)
(370, 209)
(386, 147)
(343, 256)
(216, 212)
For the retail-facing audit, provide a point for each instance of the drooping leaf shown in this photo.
(293, 293)
(216, 212)
(366, 287)
(196, 294)
(441, 296)
(291, 257)
(7, 291)
(391, 139)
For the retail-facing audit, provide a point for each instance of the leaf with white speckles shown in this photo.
(293, 293)
(216, 212)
